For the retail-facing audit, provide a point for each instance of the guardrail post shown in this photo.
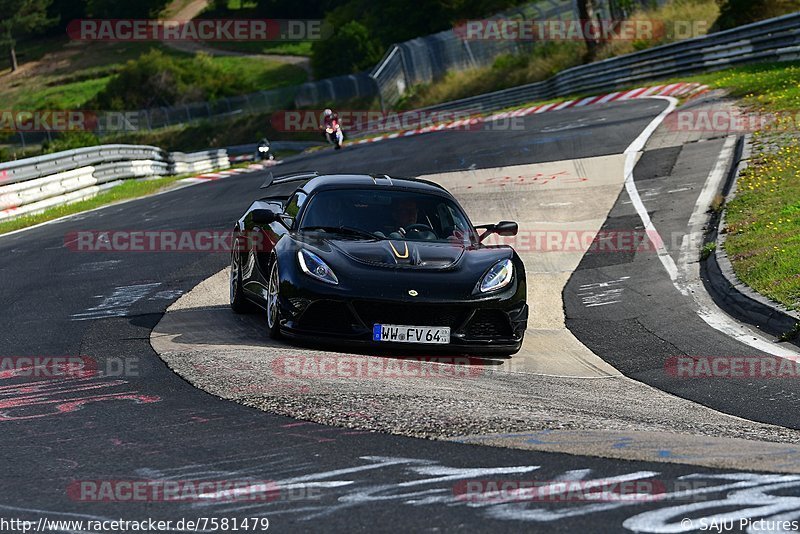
(469, 53)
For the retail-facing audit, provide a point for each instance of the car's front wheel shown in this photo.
(273, 307)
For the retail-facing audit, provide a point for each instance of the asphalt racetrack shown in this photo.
(140, 420)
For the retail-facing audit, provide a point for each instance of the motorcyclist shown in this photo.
(330, 121)
(263, 150)
(328, 118)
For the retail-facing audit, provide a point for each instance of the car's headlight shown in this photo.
(312, 265)
(499, 276)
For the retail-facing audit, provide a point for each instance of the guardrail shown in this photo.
(771, 40)
(428, 58)
(181, 163)
(32, 185)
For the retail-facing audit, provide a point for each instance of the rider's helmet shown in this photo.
(327, 112)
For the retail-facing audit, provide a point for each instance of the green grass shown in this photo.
(707, 250)
(241, 4)
(261, 74)
(763, 220)
(67, 96)
(768, 86)
(66, 74)
(763, 240)
(288, 48)
(75, 73)
(124, 191)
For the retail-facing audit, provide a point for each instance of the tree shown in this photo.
(585, 14)
(734, 13)
(65, 11)
(371, 26)
(350, 49)
(114, 9)
(290, 9)
(21, 16)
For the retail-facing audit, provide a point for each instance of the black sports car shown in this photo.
(378, 261)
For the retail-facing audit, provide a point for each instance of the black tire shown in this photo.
(238, 302)
(273, 308)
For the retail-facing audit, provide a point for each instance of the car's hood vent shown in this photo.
(392, 253)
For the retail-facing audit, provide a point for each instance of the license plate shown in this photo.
(432, 335)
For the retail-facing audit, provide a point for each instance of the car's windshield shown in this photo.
(400, 215)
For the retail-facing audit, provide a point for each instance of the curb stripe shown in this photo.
(675, 89)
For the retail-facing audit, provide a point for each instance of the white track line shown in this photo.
(689, 282)
(707, 310)
(631, 156)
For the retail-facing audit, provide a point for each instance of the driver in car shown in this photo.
(405, 214)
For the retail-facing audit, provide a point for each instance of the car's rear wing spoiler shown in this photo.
(283, 178)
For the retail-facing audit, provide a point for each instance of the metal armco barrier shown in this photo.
(181, 163)
(31, 185)
(771, 40)
(425, 59)
(30, 168)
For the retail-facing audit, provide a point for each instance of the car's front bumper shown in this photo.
(485, 327)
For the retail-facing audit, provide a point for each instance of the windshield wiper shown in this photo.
(341, 230)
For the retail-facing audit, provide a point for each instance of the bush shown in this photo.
(350, 49)
(68, 141)
(389, 22)
(119, 10)
(707, 250)
(737, 12)
(155, 79)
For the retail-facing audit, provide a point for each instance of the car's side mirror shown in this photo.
(504, 228)
(262, 216)
(266, 217)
